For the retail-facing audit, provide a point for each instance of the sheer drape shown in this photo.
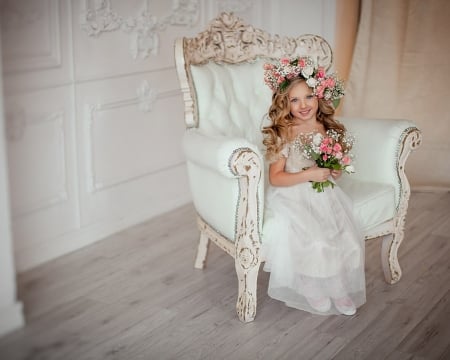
(400, 69)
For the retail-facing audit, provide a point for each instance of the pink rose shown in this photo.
(326, 141)
(301, 62)
(284, 61)
(346, 160)
(324, 157)
(319, 91)
(320, 72)
(337, 147)
(329, 82)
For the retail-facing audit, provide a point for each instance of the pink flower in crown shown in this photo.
(319, 91)
(285, 61)
(320, 72)
(290, 76)
(268, 66)
(329, 82)
(346, 160)
(301, 62)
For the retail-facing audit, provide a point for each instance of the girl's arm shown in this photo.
(279, 177)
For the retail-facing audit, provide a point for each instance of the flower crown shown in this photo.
(283, 71)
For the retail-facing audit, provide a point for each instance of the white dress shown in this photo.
(311, 243)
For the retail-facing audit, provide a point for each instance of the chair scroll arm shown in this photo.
(247, 166)
(410, 141)
(214, 152)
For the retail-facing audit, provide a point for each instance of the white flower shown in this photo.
(307, 71)
(349, 169)
(311, 82)
(317, 139)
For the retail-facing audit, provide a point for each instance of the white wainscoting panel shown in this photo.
(36, 41)
(130, 130)
(42, 167)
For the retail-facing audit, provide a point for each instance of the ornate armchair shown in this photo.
(221, 77)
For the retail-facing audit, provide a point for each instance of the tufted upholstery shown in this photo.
(232, 99)
(226, 101)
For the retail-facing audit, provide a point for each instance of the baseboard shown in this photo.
(11, 318)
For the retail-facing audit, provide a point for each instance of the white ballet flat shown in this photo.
(345, 306)
(321, 305)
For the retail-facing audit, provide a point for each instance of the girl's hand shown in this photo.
(336, 174)
(318, 174)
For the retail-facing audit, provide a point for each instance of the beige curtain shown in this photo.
(401, 69)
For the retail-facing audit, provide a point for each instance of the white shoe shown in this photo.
(345, 306)
(321, 305)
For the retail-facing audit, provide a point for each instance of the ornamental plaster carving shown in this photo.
(228, 39)
(98, 17)
(146, 96)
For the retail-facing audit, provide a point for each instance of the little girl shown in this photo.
(312, 246)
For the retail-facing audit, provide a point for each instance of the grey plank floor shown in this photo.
(135, 295)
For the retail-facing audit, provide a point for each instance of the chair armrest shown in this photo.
(215, 152)
(381, 150)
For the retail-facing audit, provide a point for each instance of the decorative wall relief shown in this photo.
(146, 96)
(98, 17)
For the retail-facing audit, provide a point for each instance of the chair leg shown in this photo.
(202, 251)
(248, 279)
(389, 257)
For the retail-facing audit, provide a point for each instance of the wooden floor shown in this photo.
(136, 295)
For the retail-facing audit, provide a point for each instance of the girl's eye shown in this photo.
(294, 100)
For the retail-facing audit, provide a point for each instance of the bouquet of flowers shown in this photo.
(332, 152)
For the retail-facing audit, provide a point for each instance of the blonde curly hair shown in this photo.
(276, 135)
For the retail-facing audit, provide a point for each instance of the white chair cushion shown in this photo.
(373, 203)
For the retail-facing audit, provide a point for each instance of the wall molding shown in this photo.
(15, 119)
(16, 18)
(98, 17)
(145, 99)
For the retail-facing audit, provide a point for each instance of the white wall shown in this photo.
(11, 315)
(94, 115)
(93, 121)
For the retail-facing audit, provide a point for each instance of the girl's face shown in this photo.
(303, 104)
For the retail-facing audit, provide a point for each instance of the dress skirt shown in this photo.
(312, 247)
